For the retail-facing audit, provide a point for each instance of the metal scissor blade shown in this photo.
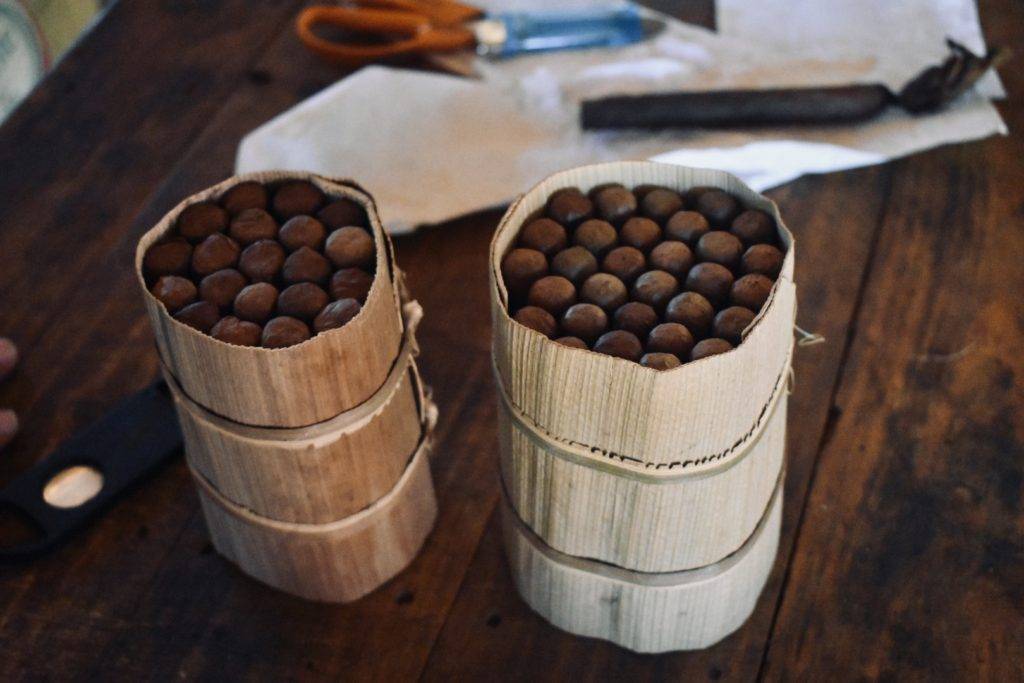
(462, 63)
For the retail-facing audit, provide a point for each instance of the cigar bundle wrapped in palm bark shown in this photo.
(929, 91)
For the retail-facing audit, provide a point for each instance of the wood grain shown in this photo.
(149, 108)
(157, 589)
(149, 614)
(911, 551)
(83, 154)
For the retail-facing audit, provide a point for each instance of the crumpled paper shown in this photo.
(431, 146)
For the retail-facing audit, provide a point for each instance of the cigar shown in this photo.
(734, 108)
(929, 91)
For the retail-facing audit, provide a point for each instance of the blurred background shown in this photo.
(34, 35)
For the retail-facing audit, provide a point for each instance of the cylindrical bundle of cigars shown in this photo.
(642, 338)
(287, 339)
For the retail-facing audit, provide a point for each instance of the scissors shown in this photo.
(406, 27)
(428, 27)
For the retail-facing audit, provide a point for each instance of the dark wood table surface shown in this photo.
(902, 552)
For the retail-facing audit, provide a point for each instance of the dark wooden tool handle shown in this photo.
(736, 108)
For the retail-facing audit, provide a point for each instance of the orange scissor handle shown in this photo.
(407, 25)
(440, 12)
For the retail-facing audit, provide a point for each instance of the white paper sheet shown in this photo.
(431, 146)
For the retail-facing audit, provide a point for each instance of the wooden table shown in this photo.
(902, 550)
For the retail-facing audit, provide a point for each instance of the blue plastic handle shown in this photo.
(569, 29)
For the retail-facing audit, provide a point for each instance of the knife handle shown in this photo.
(514, 33)
(737, 108)
(122, 447)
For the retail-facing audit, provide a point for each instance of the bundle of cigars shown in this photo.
(642, 320)
(287, 339)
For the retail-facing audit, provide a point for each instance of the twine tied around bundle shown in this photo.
(807, 338)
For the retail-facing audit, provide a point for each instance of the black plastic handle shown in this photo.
(125, 446)
(737, 108)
